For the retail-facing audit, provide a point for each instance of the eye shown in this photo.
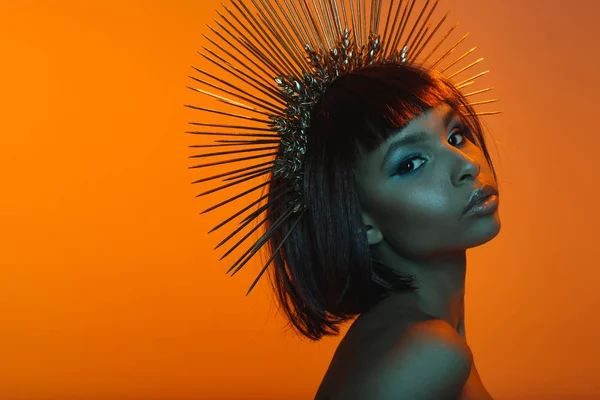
(414, 162)
(410, 164)
(457, 138)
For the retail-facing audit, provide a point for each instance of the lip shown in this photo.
(479, 197)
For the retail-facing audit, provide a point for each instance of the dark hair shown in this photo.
(324, 274)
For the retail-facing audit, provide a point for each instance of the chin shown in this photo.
(484, 230)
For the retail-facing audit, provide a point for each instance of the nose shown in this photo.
(466, 168)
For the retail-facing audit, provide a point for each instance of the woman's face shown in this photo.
(415, 186)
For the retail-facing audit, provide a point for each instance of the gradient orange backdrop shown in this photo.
(109, 288)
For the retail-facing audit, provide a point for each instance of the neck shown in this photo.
(440, 286)
(441, 290)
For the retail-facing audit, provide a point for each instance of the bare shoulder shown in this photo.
(430, 360)
(425, 358)
(433, 333)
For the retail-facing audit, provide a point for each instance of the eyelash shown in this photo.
(457, 131)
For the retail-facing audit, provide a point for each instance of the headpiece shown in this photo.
(274, 60)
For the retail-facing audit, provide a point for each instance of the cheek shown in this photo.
(421, 207)
(421, 220)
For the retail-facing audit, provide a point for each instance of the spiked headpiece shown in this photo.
(274, 60)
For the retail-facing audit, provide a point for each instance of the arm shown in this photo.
(431, 361)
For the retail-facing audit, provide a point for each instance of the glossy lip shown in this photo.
(479, 195)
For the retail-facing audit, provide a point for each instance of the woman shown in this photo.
(381, 181)
(403, 165)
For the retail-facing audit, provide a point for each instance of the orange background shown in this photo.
(110, 289)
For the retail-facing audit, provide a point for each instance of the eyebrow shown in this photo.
(413, 138)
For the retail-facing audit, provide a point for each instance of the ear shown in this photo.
(374, 235)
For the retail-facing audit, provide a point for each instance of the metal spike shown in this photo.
(416, 23)
(254, 110)
(465, 68)
(326, 24)
(235, 197)
(295, 22)
(333, 22)
(477, 103)
(254, 214)
(233, 143)
(377, 17)
(458, 59)
(275, 252)
(235, 134)
(286, 65)
(263, 239)
(250, 142)
(265, 57)
(388, 48)
(270, 55)
(223, 153)
(245, 117)
(473, 77)
(243, 239)
(420, 34)
(297, 51)
(449, 51)
(464, 85)
(303, 29)
(335, 17)
(478, 92)
(320, 40)
(422, 47)
(275, 195)
(239, 74)
(367, 18)
(416, 44)
(270, 163)
(372, 16)
(346, 24)
(233, 160)
(232, 102)
(360, 39)
(403, 24)
(245, 179)
(290, 52)
(256, 52)
(259, 211)
(269, 92)
(265, 104)
(355, 11)
(280, 36)
(323, 23)
(384, 38)
(365, 27)
(237, 49)
(246, 174)
(238, 213)
(439, 43)
(355, 23)
(252, 128)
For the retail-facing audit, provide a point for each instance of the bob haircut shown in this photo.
(324, 274)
